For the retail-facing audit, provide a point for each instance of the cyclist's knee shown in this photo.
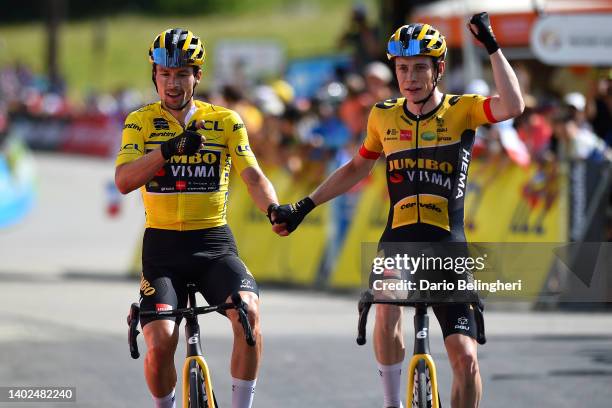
(465, 366)
(388, 317)
(161, 337)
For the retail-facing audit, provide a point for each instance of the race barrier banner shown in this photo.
(293, 260)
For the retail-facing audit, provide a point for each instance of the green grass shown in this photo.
(307, 28)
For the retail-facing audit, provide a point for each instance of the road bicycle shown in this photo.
(197, 384)
(422, 387)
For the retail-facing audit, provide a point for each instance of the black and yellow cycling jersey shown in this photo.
(189, 192)
(427, 160)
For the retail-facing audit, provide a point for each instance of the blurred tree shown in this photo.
(55, 11)
(395, 13)
(33, 10)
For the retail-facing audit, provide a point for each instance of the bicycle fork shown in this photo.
(421, 353)
(194, 354)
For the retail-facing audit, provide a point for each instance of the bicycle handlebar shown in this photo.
(237, 303)
(365, 303)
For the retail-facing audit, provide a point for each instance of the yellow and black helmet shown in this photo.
(177, 47)
(417, 39)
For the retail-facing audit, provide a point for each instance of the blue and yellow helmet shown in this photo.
(417, 39)
(177, 47)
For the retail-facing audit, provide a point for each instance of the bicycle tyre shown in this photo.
(195, 397)
(421, 397)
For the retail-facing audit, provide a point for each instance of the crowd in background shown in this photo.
(311, 136)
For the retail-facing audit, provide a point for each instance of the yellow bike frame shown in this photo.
(206, 377)
(433, 378)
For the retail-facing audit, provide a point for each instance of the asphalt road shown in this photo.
(69, 330)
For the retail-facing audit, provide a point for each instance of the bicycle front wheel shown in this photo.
(421, 393)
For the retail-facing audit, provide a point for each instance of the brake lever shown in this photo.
(133, 319)
(243, 311)
(363, 308)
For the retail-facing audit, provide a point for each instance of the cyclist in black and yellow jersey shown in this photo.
(426, 138)
(179, 152)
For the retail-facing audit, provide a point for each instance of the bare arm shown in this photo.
(509, 103)
(343, 179)
(339, 182)
(260, 189)
(132, 175)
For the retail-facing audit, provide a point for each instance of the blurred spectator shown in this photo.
(580, 143)
(378, 78)
(533, 128)
(355, 108)
(599, 107)
(360, 38)
(576, 103)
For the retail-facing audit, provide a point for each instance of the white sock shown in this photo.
(165, 402)
(243, 392)
(391, 376)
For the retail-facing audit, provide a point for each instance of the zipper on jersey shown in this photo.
(180, 205)
(418, 117)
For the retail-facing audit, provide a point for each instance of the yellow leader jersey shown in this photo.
(189, 192)
(427, 160)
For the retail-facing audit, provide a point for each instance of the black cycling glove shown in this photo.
(187, 143)
(485, 32)
(291, 214)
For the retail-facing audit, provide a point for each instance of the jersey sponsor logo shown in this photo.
(238, 126)
(462, 324)
(424, 176)
(396, 178)
(406, 135)
(391, 134)
(197, 173)
(246, 284)
(145, 287)
(428, 206)
(212, 125)
(132, 126)
(428, 136)
(244, 150)
(427, 164)
(130, 146)
(162, 134)
(161, 124)
(443, 138)
(463, 169)
(405, 119)
(208, 157)
(388, 104)
(160, 307)
(146, 108)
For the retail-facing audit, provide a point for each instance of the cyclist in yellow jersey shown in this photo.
(426, 138)
(179, 153)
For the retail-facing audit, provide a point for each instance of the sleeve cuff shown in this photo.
(487, 111)
(367, 154)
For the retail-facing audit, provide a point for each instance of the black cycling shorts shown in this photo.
(207, 257)
(459, 318)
